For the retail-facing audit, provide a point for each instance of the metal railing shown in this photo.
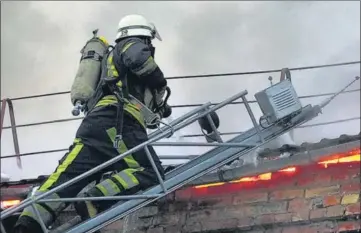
(165, 131)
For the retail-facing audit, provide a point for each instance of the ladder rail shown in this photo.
(217, 160)
(155, 138)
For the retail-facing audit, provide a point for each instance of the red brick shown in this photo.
(245, 222)
(353, 209)
(219, 225)
(264, 219)
(216, 214)
(350, 199)
(340, 177)
(192, 226)
(298, 204)
(323, 178)
(250, 197)
(286, 194)
(305, 181)
(351, 188)
(266, 208)
(331, 200)
(183, 194)
(335, 211)
(318, 213)
(322, 191)
(283, 218)
(215, 201)
(170, 219)
(348, 226)
(300, 215)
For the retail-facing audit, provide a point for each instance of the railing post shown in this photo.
(13, 127)
(3, 109)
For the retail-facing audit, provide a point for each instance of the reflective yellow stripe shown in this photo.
(148, 67)
(130, 108)
(129, 159)
(55, 206)
(130, 172)
(92, 211)
(103, 190)
(62, 167)
(121, 181)
(112, 71)
(108, 187)
(102, 38)
(127, 46)
(44, 214)
(134, 111)
(127, 179)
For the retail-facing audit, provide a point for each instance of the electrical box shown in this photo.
(278, 101)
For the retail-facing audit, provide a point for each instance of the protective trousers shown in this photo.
(93, 146)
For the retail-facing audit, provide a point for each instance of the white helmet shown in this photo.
(136, 25)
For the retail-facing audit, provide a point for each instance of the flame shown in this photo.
(288, 170)
(349, 157)
(8, 203)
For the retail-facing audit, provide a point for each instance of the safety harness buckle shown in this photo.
(117, 140)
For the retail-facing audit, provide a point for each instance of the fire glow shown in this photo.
(9, 203)
(348, 157)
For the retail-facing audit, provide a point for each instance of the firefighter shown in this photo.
(132, 62)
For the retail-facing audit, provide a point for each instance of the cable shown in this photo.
(213, 75)
(190, 136)
(173, 106)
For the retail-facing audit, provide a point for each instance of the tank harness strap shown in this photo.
(91, 55)
(121, 93)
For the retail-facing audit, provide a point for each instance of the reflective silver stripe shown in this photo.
(126, 180)
(148, 67)
(108, 188)
(55, 206)
(44, 214)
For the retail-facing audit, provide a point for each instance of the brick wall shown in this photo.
(310, 200)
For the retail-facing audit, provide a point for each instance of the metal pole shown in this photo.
(149, 155)
(27, 202)
(107, 198)
(41, 222)
(3, 109)
(249, 110)
(15, 134)
(222, 144)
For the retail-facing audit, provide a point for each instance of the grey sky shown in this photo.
(40, 44)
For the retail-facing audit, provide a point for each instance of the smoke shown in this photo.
(40, 44)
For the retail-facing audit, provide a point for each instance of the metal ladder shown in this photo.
(224, 153)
